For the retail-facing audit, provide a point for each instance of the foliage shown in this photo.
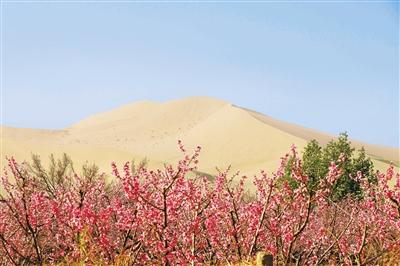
(317, 160)
(165, 217)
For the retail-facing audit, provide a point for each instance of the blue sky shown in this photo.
(329, 66)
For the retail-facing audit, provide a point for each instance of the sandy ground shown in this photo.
(229, 135)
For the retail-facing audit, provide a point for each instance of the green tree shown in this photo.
(340, 152)
(313, 165)
(317, 159)
(364, 164)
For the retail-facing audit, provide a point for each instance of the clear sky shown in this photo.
(329, 66)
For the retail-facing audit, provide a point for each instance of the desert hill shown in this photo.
(229, 135)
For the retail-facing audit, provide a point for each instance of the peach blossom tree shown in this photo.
(174, 216)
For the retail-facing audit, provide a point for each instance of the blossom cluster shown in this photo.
(175, 216)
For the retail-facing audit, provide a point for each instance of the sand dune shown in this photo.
(229, 135)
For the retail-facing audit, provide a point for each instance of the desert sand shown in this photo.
(229, 135)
